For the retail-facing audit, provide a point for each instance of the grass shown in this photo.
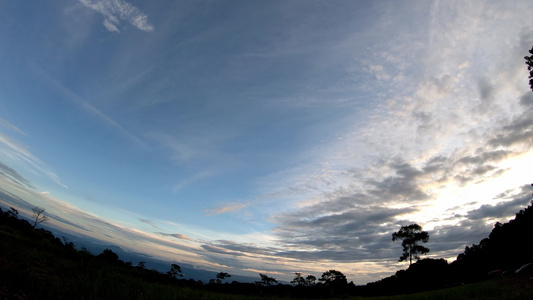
(507, 288)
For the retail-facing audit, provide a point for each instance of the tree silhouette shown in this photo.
(411, 235)
(266, 280)
(141, 265)
(310, 280)
(221, 276)
(529, 63)
(109, 256)
(13, 212)
(333, 277)
(299, 280)
(175, 271)
(38, 216)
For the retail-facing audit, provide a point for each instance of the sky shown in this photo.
(268, 136)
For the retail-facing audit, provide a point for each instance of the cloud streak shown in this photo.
(14, 175)
(116, 10)
(86, 106)
(10, 126)
(230, 207)
(19, 152)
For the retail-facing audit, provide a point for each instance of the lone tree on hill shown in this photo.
(411, 235)
(38, 216)
(529, 63)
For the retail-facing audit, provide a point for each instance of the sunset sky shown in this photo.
(268, 136)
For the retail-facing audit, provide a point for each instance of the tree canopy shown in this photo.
(333, 277)
(175, 271)
(411, 235)
(221, 277)
(309, 280)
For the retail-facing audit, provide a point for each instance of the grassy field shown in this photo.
(509, 287)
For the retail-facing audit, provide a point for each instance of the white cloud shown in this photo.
(116, 10)
(452, 115)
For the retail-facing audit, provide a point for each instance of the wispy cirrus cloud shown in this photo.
(69, 95)
(149, 222)
(116, 10)
(14, 175)
(10, 126)
(175, 235)
(230, 207)
(17, 151)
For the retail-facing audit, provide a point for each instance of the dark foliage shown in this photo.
(411, 236)
(508, 247)
(423, 275)
(109, 256)
(34, 264)
(299, 280)
(529, 63)
(333, 277)
(266, 280)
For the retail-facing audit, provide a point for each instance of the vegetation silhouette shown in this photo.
(529, 63)
(221, 277)
(508, 247)
(299, 280)
(175, 271)
(333, 277)
(266, 280)
(34, 264)
(38, 216)
(411, 235)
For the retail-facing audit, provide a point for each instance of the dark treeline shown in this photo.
(34, 264)
(508, 247)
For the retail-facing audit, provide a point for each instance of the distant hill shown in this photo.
(96, 247)
(35, 264)
(509, 246)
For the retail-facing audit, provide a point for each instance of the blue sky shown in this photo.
(267, 136)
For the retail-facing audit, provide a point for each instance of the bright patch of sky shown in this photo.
(267, 136)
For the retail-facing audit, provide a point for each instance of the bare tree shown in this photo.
(38, 216)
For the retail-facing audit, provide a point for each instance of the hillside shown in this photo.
(34, 264)
(508, 247)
